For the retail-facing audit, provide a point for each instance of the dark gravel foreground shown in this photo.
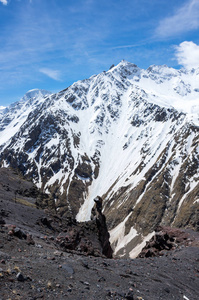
(36, 267)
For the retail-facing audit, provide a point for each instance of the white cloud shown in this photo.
(187, 54)
(54, 74)
(186, 18)
(5, 2)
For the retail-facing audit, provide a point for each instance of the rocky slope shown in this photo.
(38, 259)
(128, 135)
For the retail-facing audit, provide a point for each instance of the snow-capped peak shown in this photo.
(124, 68)
(164, 86)
(35, 93)
(13, 116)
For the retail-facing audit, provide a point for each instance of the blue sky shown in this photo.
(49, 44)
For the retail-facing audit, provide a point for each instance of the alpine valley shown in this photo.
(128, 135)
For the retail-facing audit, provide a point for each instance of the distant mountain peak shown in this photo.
(35, 93)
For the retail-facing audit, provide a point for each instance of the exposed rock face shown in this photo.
(165, 239)
(112, 135)
(81, 239)
(88, 238)
(102, 228)
(2, 222)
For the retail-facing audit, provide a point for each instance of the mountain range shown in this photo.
(128, 135)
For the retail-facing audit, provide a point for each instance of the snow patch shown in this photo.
(136, 251)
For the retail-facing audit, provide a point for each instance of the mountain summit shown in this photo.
(128, 135)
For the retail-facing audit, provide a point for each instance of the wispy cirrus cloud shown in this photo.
(5, 2)
(187, 54)
(53, 74)
(185, 19)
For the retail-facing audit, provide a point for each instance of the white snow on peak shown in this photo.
(35, 93)
(165, 86)
(18, 112)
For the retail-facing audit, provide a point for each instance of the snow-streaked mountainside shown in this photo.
(16, 114)
(128, 135)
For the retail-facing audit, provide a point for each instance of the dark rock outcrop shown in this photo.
(88, 238)
(2, 221)
(102, 228)
(165, 239)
